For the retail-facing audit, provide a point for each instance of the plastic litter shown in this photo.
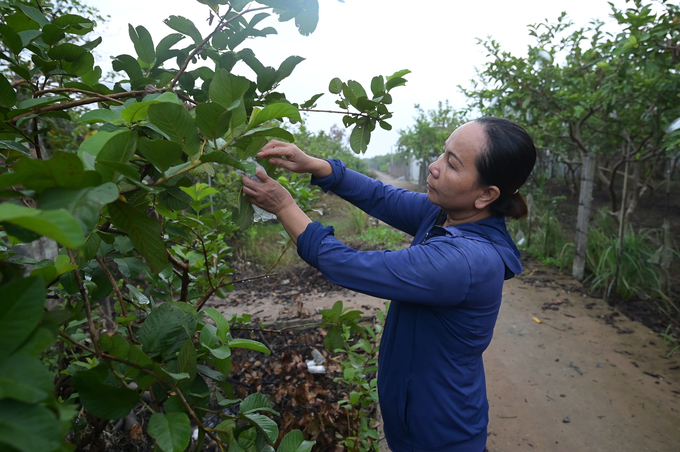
(314, 365)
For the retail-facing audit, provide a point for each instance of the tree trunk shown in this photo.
(583, 219)
(424, 172)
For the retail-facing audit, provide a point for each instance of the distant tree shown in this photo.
(424, 141)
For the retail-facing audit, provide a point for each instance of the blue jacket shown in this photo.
(446, 293)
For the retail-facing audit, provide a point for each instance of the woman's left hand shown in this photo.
(267, 194)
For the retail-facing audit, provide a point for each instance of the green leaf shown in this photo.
(67, 51)
(270, 132)
(175, 198)
(307, 19)
(163, 52)
(250, 345)
(226, 89)
(286, 68)
(243, 215)
(99, 115)
(171, 431)
(35, 14)
(164, 327)
(143, 42)
(28, 36)
(266, 425)
(144, 232)
(224, 158)
(94, 144)
(335, 87)
(15, 146)
(73, 23)
(176, 122)
(186, 359)
(213, 120)
(136, 112)
(160, 153)
(184, 26)
(310, 103)
(62, 170)
(255, 402)
(55, 224)
(221, 323)
(119, 149)
(294, 441)
(8, 97)
(357, 89)
(377, 86)
(11, 39)
(210, 373)
(360, 137)
(25, 379)
(128, 64)
(100, 399)
(209, 336)
(275, 111)
(130, 267)
(28, 427)
(85, 204)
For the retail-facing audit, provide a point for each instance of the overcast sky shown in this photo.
(358, 39)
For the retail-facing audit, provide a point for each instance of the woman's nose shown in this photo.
(433, 169)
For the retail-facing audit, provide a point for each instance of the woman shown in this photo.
(446, 288)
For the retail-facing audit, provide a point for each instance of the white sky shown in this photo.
(358, 39)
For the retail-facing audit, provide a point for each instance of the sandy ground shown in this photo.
(585, 379)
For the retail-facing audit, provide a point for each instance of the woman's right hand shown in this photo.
(290, 157)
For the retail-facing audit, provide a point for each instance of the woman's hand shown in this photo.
(267, 194)
(290, 157)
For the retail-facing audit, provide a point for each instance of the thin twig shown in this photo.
(290, 242)
(313, 110)
(75, 90)
(88, 308)
(119, 295)
(205, 256)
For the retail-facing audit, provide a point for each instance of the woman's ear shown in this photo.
(488, 195)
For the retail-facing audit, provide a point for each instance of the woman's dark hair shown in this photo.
(506, 162)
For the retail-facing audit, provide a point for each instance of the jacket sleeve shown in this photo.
(436, 274)
(402, 209)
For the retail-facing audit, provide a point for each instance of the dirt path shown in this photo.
(586, 379)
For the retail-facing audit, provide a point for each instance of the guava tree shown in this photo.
(130, 211)
(589, 97)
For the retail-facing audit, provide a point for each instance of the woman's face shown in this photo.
(452, 183)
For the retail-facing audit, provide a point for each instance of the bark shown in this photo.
(583, 219)
(424, 172)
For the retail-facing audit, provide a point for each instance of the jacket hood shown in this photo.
(494, 230)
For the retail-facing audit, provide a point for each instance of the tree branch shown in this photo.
(312, 110)
(88, 308)
(75, 90)
(75, 103)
